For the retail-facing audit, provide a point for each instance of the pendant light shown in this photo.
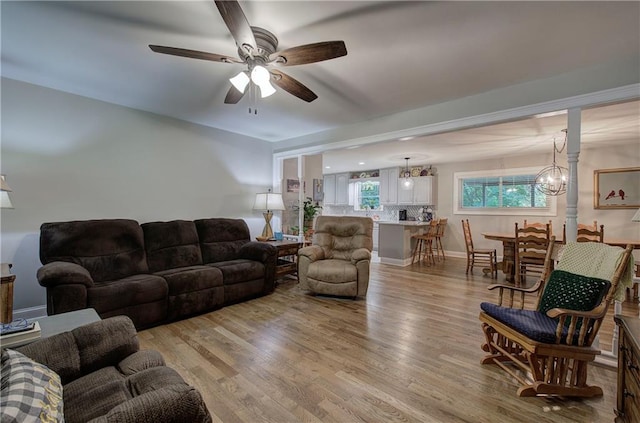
(407, 183)
(552, 180)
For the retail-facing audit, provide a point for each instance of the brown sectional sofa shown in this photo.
(155, 272)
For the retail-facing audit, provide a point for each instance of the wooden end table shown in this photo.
(287, 257)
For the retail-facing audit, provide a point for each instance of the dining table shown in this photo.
(509, 254)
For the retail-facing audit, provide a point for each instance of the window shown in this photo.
(503, 191)
(367, 195)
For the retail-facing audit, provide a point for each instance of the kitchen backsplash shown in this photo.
(388, 213)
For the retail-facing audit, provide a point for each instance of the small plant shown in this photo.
(309, 210)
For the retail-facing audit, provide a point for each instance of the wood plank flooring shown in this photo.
(409, 352)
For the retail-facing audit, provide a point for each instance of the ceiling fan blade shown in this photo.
(310, 53)
(292, 86)
(233, 95)
(237, 23)
(194, 54)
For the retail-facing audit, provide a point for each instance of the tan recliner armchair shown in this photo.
(337, 263)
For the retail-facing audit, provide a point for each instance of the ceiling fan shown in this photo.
(257, 49)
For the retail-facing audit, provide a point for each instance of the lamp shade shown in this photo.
(268, 201)
(5, 201)
(636, 217)
(4, 186)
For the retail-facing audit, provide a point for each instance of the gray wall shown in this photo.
(72, 158)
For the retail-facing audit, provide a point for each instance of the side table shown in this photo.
(64, 322)
(287, 257)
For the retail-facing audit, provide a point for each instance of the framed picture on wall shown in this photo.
(616, 188)
(293, 185)
(318, 192)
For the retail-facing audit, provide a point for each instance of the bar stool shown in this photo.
(423, 249)
(442, 224)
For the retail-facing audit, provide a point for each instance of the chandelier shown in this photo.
(552, 180)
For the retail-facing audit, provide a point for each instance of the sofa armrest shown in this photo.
(360, 254)
(258, 251)
(62, 272)
(174, 403)
(86, 348)
(312, 253)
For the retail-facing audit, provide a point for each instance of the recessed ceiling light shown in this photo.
(327, 167)
(353, 147)
(405, 138)
(360, 163)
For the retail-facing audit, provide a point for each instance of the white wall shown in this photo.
(72, 158)
(617, 222)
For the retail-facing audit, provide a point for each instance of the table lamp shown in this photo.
(6, 284)
(268, 202)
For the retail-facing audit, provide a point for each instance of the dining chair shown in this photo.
(531, 245)
(442, 225)
(586, 233)
(423, 250)
(539, 225)
(475, 256)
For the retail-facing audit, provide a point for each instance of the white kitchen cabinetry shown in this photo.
(420, 194)
(336, 189)
(376, 231)
(329, 189)
(389, 186)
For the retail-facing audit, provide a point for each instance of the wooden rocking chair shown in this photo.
(547, 350)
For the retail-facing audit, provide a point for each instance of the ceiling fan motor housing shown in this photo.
(267, 43)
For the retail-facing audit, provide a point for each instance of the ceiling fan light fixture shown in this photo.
(240, 81)
(260, 75)
(266, 89)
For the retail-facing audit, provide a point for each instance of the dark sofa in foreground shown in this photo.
(155, 272)
(96, 373)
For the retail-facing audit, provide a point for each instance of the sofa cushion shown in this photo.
(171, 244)
(152, 379)
(221, 238)
(94, 395)
(30, 391)
(241, 270)
(108, 248)
(333, 271)
(130, 291)
(191, 279)
(140, 360)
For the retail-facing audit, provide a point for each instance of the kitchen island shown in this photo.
(395, 245)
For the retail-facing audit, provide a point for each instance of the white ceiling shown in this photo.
(401, 56)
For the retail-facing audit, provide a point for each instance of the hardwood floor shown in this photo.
(409, 352)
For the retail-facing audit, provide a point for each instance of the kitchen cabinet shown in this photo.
(420, 194)
(389, 186)
(336, 189)
(376, 231)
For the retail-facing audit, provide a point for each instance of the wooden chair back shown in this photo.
(586, 233)
(531, 246)
(468, 240)
(539, 225)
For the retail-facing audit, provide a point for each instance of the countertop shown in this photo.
(403, 222)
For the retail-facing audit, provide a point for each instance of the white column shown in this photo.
(573, 151)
